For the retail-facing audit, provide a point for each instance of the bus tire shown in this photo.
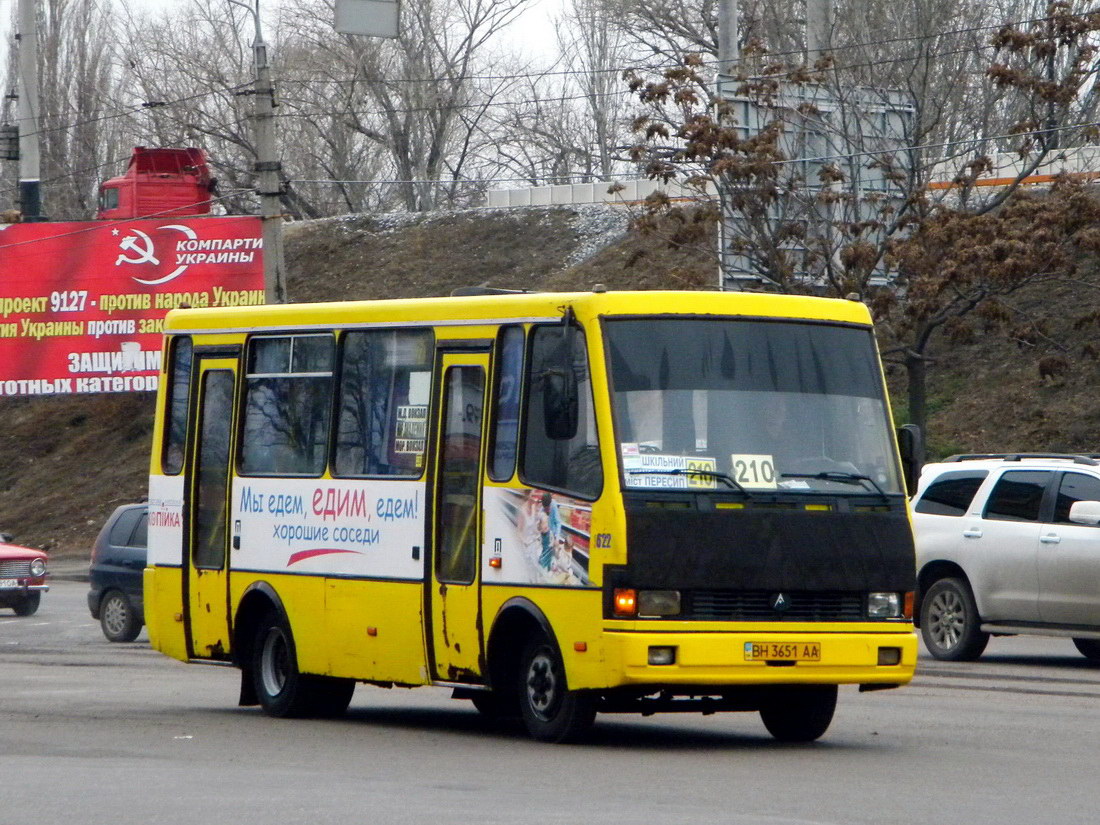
(1089, 648)
(550, 711)
(330, 695)
(799, 713)
(281, 689)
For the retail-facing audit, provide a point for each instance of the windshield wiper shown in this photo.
(729, 480)
(841, 477)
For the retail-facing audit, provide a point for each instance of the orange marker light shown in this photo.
(907, 605)
(372, 631)
(626, 602)
(580, 647)
(494, 562)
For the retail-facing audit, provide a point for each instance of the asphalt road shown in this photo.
(93, 732)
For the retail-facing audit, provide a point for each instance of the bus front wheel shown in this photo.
(281, 689)
(799, 713)
(551, 712)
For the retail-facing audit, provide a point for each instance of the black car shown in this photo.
(118, 560)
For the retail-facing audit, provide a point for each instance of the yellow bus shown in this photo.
(555, 505)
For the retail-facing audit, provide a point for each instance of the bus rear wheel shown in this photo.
(550, 711)
(799, 713)
(281, 689)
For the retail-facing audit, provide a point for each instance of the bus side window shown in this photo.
(179, 385)
(288, 404)
(571, 465)
(506, 386)
(385, 387)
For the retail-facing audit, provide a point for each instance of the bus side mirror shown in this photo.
(559, 402)
(559, 387)
(911, 447)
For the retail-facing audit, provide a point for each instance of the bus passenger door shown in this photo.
(206, 581)
(454, 594)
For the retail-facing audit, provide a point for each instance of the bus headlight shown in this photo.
(658, 602)
(38, 568)
(883, 605)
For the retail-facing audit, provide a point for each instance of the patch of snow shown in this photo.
(594, 225)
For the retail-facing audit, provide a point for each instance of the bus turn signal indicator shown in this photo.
(626, 602)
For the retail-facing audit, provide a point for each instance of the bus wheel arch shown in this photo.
(259, 600)
(525, 662)
(271, 668)
(517, 621)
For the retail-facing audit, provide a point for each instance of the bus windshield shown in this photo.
(750, 406)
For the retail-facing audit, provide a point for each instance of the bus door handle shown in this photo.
(1050, 538)
(973, 533)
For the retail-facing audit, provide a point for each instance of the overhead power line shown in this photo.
(714, 62)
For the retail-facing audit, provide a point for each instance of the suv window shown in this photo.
(140, 538)
(1074, 487)
(124, 527)
(1017, 496)
(951, 493)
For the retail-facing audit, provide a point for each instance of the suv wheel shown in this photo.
(949, 622)
(118, 619)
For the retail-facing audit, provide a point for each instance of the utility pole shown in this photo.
(30, 174)
(728, 56)
(728, 52)
(267, 167)
(819, 24)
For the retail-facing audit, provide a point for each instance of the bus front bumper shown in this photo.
(721, 658)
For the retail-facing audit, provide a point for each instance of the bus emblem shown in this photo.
(780, 602)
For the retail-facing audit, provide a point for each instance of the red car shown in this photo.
(22, 578)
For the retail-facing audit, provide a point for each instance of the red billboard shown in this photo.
(82, 305)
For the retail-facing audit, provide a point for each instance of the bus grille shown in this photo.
(15, 568)
(756, 605)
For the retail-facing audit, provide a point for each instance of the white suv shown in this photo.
(1008, 544)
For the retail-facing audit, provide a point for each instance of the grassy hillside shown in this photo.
(65, 463)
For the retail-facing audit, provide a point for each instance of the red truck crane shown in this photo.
(159, 183)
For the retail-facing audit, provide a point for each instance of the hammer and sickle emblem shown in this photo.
(142, 246)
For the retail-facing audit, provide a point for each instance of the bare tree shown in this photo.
(423, 97)
(816, 201)
(594, 48)
(190, 77)
(77, 124)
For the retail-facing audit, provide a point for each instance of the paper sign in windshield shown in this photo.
(754, 472)
(669, 472)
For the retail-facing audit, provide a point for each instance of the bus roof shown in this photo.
(515, 307)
